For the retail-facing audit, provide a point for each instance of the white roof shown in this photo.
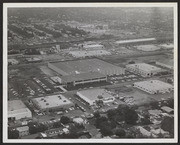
(21, 129)
(145, 132)
(93, 45)
(92, 94)
(84, 53)
(134, 40)
(167, 109)
(15, 105)
(154, 85)
(78, 120)
(144, 66)
(51, 101)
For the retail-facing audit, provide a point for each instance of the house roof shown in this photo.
(167, 109)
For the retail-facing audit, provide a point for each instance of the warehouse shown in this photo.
(145, 70)
(93, 46)
(85, 66)
(85, 71)
(121, 42)
(92, 95)
(18, 110)
(54, 102)
(154, 86)
(88, 53)
(83, 78)
(169, 64)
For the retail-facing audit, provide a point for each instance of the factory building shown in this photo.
(93, 46)
(131, 41)
(18, 110)
(88, 53)
(145, 70)
(83, 78)
(23, 131)
(154, 86)
(54, 102)
(169, 64)
(93, 95)
(85, 71)
(12, 61)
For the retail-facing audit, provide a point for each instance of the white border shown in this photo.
(5, 78)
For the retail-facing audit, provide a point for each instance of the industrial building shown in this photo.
(12, 61)
(83, 78)
(93, 46)
(85, 71)
(54, 102)
(88, 53)
(153, 86)
(147, 47)
(93, 95)
(145, 70)
(121, 42)
(18, 110)
(23, 131)
(169, 64)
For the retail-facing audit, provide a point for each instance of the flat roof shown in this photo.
(92, 94)
(169, 62)
(84, 66)
(144, 66)
(82, 76)
(15, 105)
(167, 109)
(84, 53)
(135, 40)
(23, 128)
(51, 101)
(154, 85)
(92, 45)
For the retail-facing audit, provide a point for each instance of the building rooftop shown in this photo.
(155, 112)
(94, 94)
(134, 40)
(92, 45)
(154, 85)
(82, 76)
(23, 128)
(15, 105)
(169, 62)
(84, 53)
(167, 109)
(84, 66)
(144, 66)
(18, 111)
(51, 101)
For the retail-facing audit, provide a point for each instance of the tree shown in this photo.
(170, 103)
(146, 119)
(131, 62)
(154, 105)
(106, 131)
(100, 102)
(100, 121)
(131, 116)
(57, 124)
(168, 124)
(73, 132)
(41, 127)
(65, 120)
(111, 113)
(120, 132)
(96, 114)
(13, 134)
